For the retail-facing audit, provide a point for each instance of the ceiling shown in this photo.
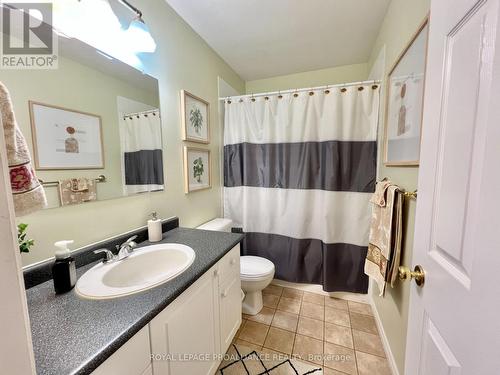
(266, 38)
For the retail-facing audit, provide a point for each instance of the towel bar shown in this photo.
(410, 194)
(406, 194)
(100, 178)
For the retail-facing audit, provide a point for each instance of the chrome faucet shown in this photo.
(109, 258)
(126, 248)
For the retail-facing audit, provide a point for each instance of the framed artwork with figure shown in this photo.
(195, 115)
(404, 102)
(65, 138)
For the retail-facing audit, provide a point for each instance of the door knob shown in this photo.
(418, 274)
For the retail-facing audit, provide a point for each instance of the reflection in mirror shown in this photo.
(95, 125)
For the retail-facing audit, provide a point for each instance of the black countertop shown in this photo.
(72, 335)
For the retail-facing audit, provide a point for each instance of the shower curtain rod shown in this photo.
(142, 113)
(374, 81)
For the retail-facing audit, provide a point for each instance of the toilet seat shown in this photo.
(255, 268)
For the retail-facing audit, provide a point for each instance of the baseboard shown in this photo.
(313, 288)
(385, 342)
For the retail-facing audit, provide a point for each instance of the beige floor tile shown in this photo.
(285, 320)
(340, 358)
(336, 303)
(368, 343)
(310, 327)
(360, 308)
(273, 289)
(311, 310)
(289, 305)
(338, 335)
(245, 347)
(314, 298)
(372, 365)
(270, 300)
(265, 316)
(337, 316)
(254, 332)
(329, 371)
(243, 321)
(280, 340)
(364, 323)
(273, 355)
(308, 349)
(292, 293)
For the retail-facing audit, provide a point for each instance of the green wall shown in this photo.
(402, 20)
(182, 61)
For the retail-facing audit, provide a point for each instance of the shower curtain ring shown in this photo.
(327, 91)
(295, 94)
(279, 94)
(253, 99)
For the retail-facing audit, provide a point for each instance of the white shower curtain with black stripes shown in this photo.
(299, 170)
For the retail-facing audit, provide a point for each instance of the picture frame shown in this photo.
(195, 118)
(65, 138)
(197, 169)
(404, 102)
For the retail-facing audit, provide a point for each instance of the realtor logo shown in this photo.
(28, 40)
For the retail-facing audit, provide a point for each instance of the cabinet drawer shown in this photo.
(229, 265)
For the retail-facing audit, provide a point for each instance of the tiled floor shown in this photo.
(340, 336)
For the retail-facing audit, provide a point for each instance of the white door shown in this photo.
(454, 325)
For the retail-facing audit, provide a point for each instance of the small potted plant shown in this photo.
(24, 243)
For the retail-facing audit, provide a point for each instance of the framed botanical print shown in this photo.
(197, 169)
(65, 138)
(195, 114)
(404, 102)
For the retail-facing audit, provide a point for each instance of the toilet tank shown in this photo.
(218, 224)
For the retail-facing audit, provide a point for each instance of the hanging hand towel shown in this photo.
(28, 193)
(77, 191)
(384, 247)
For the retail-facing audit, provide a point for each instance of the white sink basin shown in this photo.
(145, 268)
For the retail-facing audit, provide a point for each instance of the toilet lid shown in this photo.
(252, 266)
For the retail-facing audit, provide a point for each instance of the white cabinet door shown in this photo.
(187, 330)
(230, 310)
(133, 358)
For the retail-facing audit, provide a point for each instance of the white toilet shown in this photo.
(256, 273)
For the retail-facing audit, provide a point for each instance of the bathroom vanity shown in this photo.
(183, 326)
(192, 333)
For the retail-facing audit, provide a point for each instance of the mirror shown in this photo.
(93, 125)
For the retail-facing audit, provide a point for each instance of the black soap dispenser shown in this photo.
(64, 269)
